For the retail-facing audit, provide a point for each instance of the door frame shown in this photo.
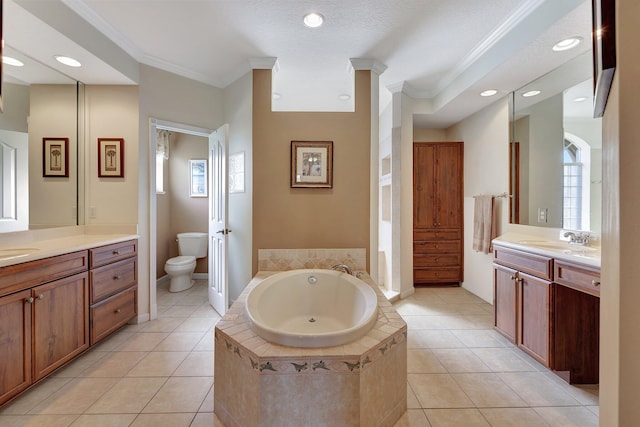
(155, 124)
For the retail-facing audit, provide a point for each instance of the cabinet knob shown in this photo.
(118, 310)
(595, 283)
(116, 252)
(29, 300)
(41, 296)
(116, 277)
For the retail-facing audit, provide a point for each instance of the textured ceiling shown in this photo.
(442, 52)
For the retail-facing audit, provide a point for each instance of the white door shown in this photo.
(218, 227)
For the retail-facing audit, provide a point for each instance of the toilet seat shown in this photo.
(181, 260)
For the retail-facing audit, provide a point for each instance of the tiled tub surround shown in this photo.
(294, 259)
(362, 383)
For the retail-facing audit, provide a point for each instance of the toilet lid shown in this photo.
(181, 260)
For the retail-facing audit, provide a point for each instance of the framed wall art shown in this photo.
(197, 178)
(312, 164)
(604, 52)
(111, 157)
(55, 157)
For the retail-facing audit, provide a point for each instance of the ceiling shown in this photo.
(441, 53)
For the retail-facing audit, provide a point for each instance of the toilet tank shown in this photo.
(193, 244)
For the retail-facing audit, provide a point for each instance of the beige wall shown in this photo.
(619, 314)
(285, 217)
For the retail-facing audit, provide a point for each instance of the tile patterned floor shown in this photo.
(160, 373)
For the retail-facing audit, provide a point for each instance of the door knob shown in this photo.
(224, 231)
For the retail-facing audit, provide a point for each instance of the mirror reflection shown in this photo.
(556, 151)
(40, 105)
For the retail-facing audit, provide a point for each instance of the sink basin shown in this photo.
(11, 253)
(545, 243)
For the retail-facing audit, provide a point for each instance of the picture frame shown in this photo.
(311, 164)
(604, 52)
(111, 157)
(55, 157)
(198, 178)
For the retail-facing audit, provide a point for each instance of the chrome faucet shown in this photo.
(343, 267)
(579, 238)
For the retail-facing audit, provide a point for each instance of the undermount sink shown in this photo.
(545, 243)
(566, 247)
(11, 253)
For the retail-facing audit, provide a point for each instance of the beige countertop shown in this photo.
(559, 249)
(17, 253)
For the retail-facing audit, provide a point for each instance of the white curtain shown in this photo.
(162, 140)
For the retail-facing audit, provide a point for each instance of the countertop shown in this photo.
(558, 249)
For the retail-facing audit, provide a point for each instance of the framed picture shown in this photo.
(197, 178)
(111, 157)
(312, 164)
(55, 157)
(604, 52)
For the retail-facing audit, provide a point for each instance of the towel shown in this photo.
(484, 226)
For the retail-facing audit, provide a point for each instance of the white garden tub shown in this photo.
(311, 308)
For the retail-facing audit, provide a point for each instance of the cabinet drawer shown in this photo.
(112, 253)
(26, 275)
(112, 313)
(433, 275)
(441, 246)
(578, 277)
(113, 278)
(536, 265)
(436, 234)
(436, 260)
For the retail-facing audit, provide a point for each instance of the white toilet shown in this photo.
(180, 268)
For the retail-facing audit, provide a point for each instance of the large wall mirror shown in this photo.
(556, 151)
(39, 136)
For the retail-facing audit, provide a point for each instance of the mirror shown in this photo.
(556, 151)
(38, 146)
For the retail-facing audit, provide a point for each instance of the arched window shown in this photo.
(577, 164)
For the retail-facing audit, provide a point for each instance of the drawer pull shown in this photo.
(116, 252)
(595, 283)
(118, 310)
(116, 277)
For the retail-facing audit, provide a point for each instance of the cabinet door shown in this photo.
(505, 302)
(448, 187)
(535, 326)
(424, 202)
(60, 322)
(15, 344)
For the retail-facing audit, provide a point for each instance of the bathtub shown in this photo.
(311, 308)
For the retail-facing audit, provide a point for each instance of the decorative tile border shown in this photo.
(294, 259)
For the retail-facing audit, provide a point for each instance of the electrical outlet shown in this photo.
(92, 212)
(543, 214)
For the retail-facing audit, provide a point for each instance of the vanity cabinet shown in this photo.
(53, 309)
(437, 212)
(114, 281)
(550, 309)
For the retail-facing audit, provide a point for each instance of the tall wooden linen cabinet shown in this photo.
(437, 212)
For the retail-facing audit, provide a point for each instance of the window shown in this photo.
(575, 202)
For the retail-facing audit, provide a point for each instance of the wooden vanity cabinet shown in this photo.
(505, 301)
(15, 344)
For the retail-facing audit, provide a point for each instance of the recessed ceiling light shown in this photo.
(276, 95)
(11, 61)
(344, 97)
(488, 92)
(580, 99)
(531, 93)
(313, 20)
(68, 61)
(566, 44)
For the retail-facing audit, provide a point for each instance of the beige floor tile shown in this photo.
(481, 338)
(158, 420)
(432, 339)
(460, 297)
(513, 417)
(180, 394)
(196, 364)
(104, 420)
(487, 390)
(115, 365)
(207, 403)
(179, 341)
(594, 409)
(537, 390)
(460, 360)
(570, 416)
(586, 394)
(127, 396)
(419, 308)
(26, 401)
(469, 308)
(178, 311)
(413, 418)
(503, 360)
(439, 322)
(158, 364)
(37, 420)
(143, 341)
(75, 396)
(115, 341)
(162, 324)
(206, 311)
(438, 391)
(412, 400)
(80, 364)
(478, 321)
(456, 418)
(206, 343)
(206, 419)
(423, 361)
(196, 324)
